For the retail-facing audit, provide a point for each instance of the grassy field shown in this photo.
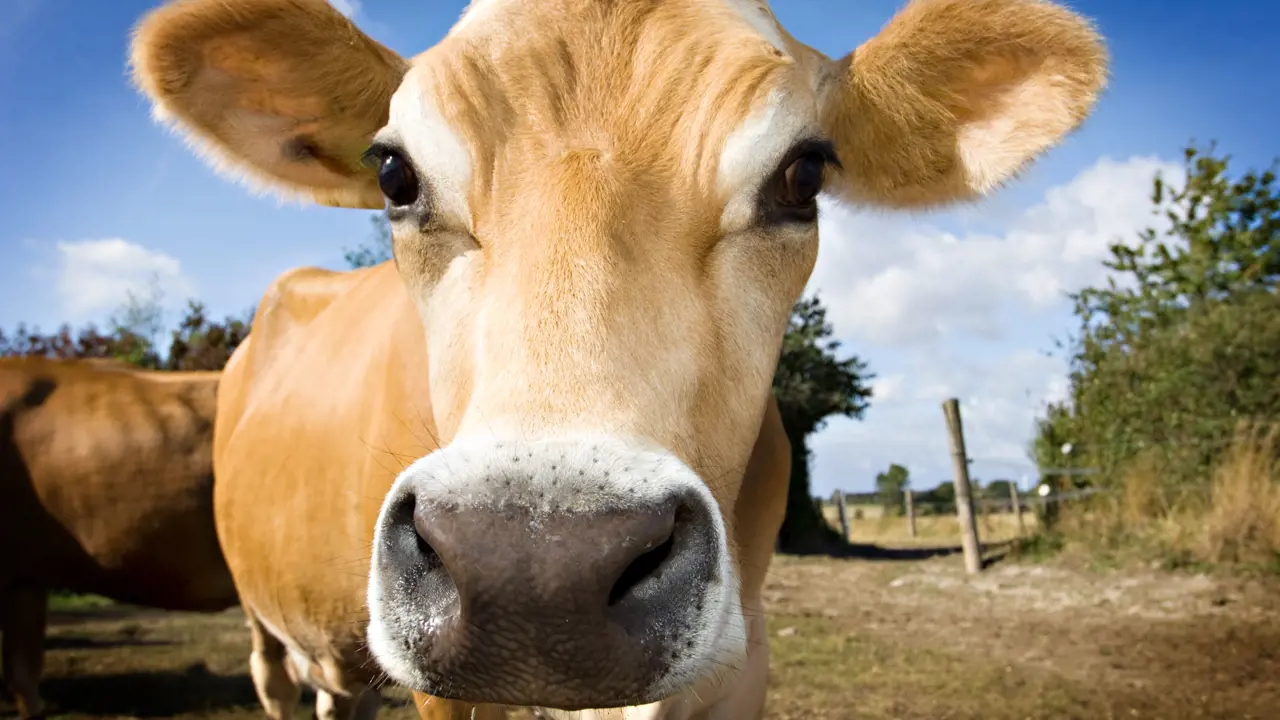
(868, 525)
(851, 639)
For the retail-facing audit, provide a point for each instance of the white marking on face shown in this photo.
(755, 148)
(436, 149)
(760, 17)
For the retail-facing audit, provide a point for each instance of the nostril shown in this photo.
(418, 540)
(641, 568)
(427, 554)
(406, 540)
(424, 548)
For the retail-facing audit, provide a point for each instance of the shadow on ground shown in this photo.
(149, 694)
(74, 616)
(157, 694)
(85, 642)
(992, 552)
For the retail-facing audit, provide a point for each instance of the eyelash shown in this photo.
(375, 154)
(816, 146)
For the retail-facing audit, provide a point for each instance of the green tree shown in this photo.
(130, 335)
(197, 344)
(88, 343)
(811, 384)
(141, 314)
(891, 486)
(997, 489)
(201, 344)
(377, 250)
(939, 500)
(1219, 243)
(1184, 340)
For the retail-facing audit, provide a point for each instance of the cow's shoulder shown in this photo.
(290, 308)
(297, 297)
(320, 337)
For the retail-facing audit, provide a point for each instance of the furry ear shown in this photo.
(954, 97)
(280, 94)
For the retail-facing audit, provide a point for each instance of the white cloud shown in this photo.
(942, 314)
(999, 398)
(96, 276)
(887, 387)
(348, 8)
(898, 280)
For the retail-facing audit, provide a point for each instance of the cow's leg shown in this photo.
(434, 708)
(360, 705)
(23, 615)
(276, 688)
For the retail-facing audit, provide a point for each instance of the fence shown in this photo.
(968, 509)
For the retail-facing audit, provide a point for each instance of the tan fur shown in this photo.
(217, 66)
(576, 273)
(106, 487)
(956, 96)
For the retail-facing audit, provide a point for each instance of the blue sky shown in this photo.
(97, 197)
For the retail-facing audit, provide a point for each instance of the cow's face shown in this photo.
(604, 212)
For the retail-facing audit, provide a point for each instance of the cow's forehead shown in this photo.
(674, 87)
(480, 14)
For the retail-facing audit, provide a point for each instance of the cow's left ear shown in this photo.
(284, 94)
(954, 97)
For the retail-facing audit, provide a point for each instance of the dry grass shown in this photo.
(1243, 519)
(931, 530)
(826, 668)
(923, 640)
(1232, 519)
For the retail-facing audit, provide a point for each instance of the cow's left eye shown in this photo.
(397, 179)
(793, 191)
(802, 181)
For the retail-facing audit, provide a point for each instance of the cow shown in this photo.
(534, 461)
(106, 486)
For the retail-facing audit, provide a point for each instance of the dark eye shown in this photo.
(802, 181)
(397, 179)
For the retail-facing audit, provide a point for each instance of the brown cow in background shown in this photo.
(106, 486)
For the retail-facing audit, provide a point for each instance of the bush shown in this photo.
(1172, 399)
(1234, 518)
(1174, 355)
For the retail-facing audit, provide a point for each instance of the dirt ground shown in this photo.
(852, 638)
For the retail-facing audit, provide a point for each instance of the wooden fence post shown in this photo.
(843, 507)
(1017, 507)
(911, 513)
(964, 494)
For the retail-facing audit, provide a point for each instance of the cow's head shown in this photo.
(604, 211)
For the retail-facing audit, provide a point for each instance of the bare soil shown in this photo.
(852, 638)
(898, 640)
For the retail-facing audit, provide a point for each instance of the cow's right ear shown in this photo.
(280, 94)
